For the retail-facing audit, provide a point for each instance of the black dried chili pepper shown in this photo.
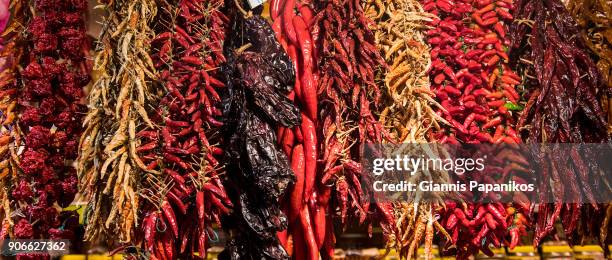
(258, 75)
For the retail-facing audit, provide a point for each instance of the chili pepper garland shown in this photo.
(400, 34)
(594, 21)
(47, 115)
(186, 53)
(563, 91)
(347, 92)
(113, 177)
(408, 112)
(476, 88)
(308, 202)
(258, 76)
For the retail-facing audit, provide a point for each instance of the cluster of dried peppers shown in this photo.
(478, 94)
(594, 18)
(408, 111)
(187, 51)
(307, 203)
(164, 122)
(47, 113)
(258, 76)
(348, 61)
(563, 89)
(113, 177)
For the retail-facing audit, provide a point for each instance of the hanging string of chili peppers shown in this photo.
(563, 89)
(186, 52)
(172, 144)
(409, 110)
(594, 19)
(113, 178)
(347, 92)
(47, 114)
(477, 90)
(258, 75)
(308, 201)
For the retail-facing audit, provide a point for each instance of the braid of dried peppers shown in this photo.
(186, 53)
(259, 74)
(113, 176)
(476, 88)
(408, 109)
(563, 89)
(308, 197)
(347, 92)
(49, 91)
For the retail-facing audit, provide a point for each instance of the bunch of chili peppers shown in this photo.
(186, 52)
(477, 90)
(113, 178)
(308, 201)
(151, 166)
(563, 89)
(258, 75)
(48, 93)
(594, 20)
(408, 114)
(348, 61)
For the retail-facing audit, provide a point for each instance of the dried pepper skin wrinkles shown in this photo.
(408, 108)
(564, 88)
(186, 52)
(113, 177)
(258, 76)
(43, 116)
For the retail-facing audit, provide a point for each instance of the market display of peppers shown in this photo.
(186, 117)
